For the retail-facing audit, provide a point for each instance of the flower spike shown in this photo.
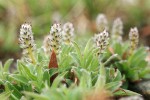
(101, 23)
(68, 32)
(26, 42)
(117, 30)
(53, 40)
(134, 38)
(102, 41)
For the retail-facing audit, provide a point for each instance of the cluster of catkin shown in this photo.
(26, 42)
(64, 34)
(58, 34)
(102, 41)
(102, 38)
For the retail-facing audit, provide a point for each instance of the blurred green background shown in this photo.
(82, 13)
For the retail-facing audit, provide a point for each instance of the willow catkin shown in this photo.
(53, 41)
(117, 30)
(26, 42)
(68, 32)
(134, 39)
(101, 23)
(102, 41)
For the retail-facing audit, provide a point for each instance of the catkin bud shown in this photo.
(102, 41)
(68, 32)
(134, 38)
(53, 41)
(26, 42)
(101, 23)
(117, 30)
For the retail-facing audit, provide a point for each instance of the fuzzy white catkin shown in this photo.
(68, 32)
(26, 42)
(101, 23)
(54, 39)
(102, 41)
(134, 37)
(117, 30)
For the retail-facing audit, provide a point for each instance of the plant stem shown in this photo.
(31, 55)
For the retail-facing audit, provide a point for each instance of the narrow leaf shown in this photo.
(5, 95)
(7, 65)
(124, 92)
(19, 78)
(36, 96)
(113, 86)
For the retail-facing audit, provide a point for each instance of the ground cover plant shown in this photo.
(62, 69)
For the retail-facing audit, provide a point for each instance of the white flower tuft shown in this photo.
(68, 32)
(101, 23)
(26, 42)
(54, 39)
(134, 38)
(102, 41)
(117, 29)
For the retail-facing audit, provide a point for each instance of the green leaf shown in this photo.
(118, 76)
(76, 71)
(39, 73)
(75, 58)
(79, 54)
(36, 84)
(85, 79)
(124, 92)
(26, 71)
(123, 65)
(118, 48)
(19, 78)
(65, 62)
(114, 56)
(89, 60)
(7, 65)
(58, 79)
(53, 71)
(145, 73)
(87, 48)
(131, 76)
(13, 97)
(40, 57)
(102, 70)
(10, 87)
(1, 82)
(142, 63)
(113, 74)
(46, 77)
(137, 57)
(113, 86)
(5, 95)
(77, 49)
(100, 83)
(94, 64)
(36, 96)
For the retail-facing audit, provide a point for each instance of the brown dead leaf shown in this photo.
(53, 61)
